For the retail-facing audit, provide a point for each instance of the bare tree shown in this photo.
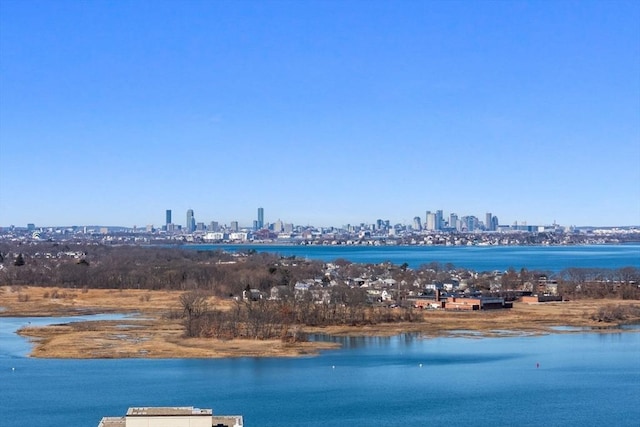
(194, 306)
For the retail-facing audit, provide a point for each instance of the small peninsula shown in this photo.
(153, 332)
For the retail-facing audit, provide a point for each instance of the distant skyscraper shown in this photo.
(260, 218)
(439, 220)
(168, 217)
(488, 222)
(453, 221)
(234, 226)
(191, 221)
(471, 222)
(417, 224)
(431, 221)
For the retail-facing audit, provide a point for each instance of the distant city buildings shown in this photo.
(260, 222)
(417, 224)
(455, 223)
(430, 221)
(468, 230)
(437, 229)
(191, 221)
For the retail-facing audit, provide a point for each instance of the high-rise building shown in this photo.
(417, 224)
(431, 221)
(453, 221)
(439, 220)
(470, 222)
(191, 221)
(488, 222)
(234, 226)
(260, 218)
(168, 217)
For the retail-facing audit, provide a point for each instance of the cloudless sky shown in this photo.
(322, 112)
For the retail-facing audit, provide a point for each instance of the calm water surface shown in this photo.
(584, 379)
(479, 258)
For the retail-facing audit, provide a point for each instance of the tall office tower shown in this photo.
(488, 221)
(191, 221)
(494, 223)
(471, 222)
(417, 225)
(453, 221)
(234, 226)
(439, 220)
(260, 218)
(168, 216)
(277, 226)
(431, 221)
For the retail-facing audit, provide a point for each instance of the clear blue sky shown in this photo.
(322, 112)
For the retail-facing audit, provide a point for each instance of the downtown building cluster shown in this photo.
(434, 228)
(260, 230)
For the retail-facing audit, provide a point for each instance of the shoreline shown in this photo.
(154, 330)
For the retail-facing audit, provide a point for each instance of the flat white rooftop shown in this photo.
(168, 411)
(177, 416)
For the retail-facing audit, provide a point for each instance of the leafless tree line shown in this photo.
(267, 319)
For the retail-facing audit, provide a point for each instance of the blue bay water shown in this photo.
(583, 379)
(479, 258)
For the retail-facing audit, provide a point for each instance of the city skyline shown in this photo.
(323, 113)
(430, 221)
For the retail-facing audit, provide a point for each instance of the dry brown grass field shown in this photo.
(151, 332)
